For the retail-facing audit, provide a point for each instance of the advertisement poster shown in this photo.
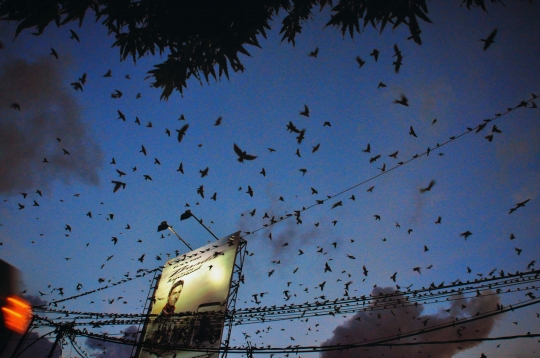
(190, 301)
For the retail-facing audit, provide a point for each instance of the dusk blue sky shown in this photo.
(449, 78)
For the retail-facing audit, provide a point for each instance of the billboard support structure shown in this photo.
(193, 302)
(237, 279)
(147, 308)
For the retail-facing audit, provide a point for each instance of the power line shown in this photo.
(477, 129)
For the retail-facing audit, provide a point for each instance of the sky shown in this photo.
(58, 218)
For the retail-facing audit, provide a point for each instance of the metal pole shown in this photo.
(207, 229)
(174, 232)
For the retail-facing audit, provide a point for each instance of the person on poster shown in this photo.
(174, 294)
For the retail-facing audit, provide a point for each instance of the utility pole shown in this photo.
(60, 332)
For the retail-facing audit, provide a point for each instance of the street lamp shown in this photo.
(165, 226)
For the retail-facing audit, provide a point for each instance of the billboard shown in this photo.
(190, 301)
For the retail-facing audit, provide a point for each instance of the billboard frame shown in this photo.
(235, 279)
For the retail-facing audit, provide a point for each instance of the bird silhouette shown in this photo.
(429, 187)
(242, 155)
(314, 53)
(375, 54)
(518, 205)
(200, 191)
(182, 132)
(465, 234)
(368, 149)
(54, 53)
(489, 40)
(360, 61)
(404, 101)
(373, 159)
(412, 132)
(118, 185)
(74, 36)
(305, 112)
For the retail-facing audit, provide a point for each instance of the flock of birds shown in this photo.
(243, 155)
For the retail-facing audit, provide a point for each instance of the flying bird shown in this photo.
(519, 205)
(200, 191)
(368, 149)
(428, 188)
(412, 132)
(117, 185)
(360, 61)
(373, 159)
(54, 53)
(305, 112)
(182, 132)
(242, 155)
(404, 101)
(489, 40)
(218, 121)
(74, 36)
(365, 271)
(466, 234)
(314, 53)
(375, 54)
(204, 172)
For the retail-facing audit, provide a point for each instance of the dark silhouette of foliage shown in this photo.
(202, 36)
